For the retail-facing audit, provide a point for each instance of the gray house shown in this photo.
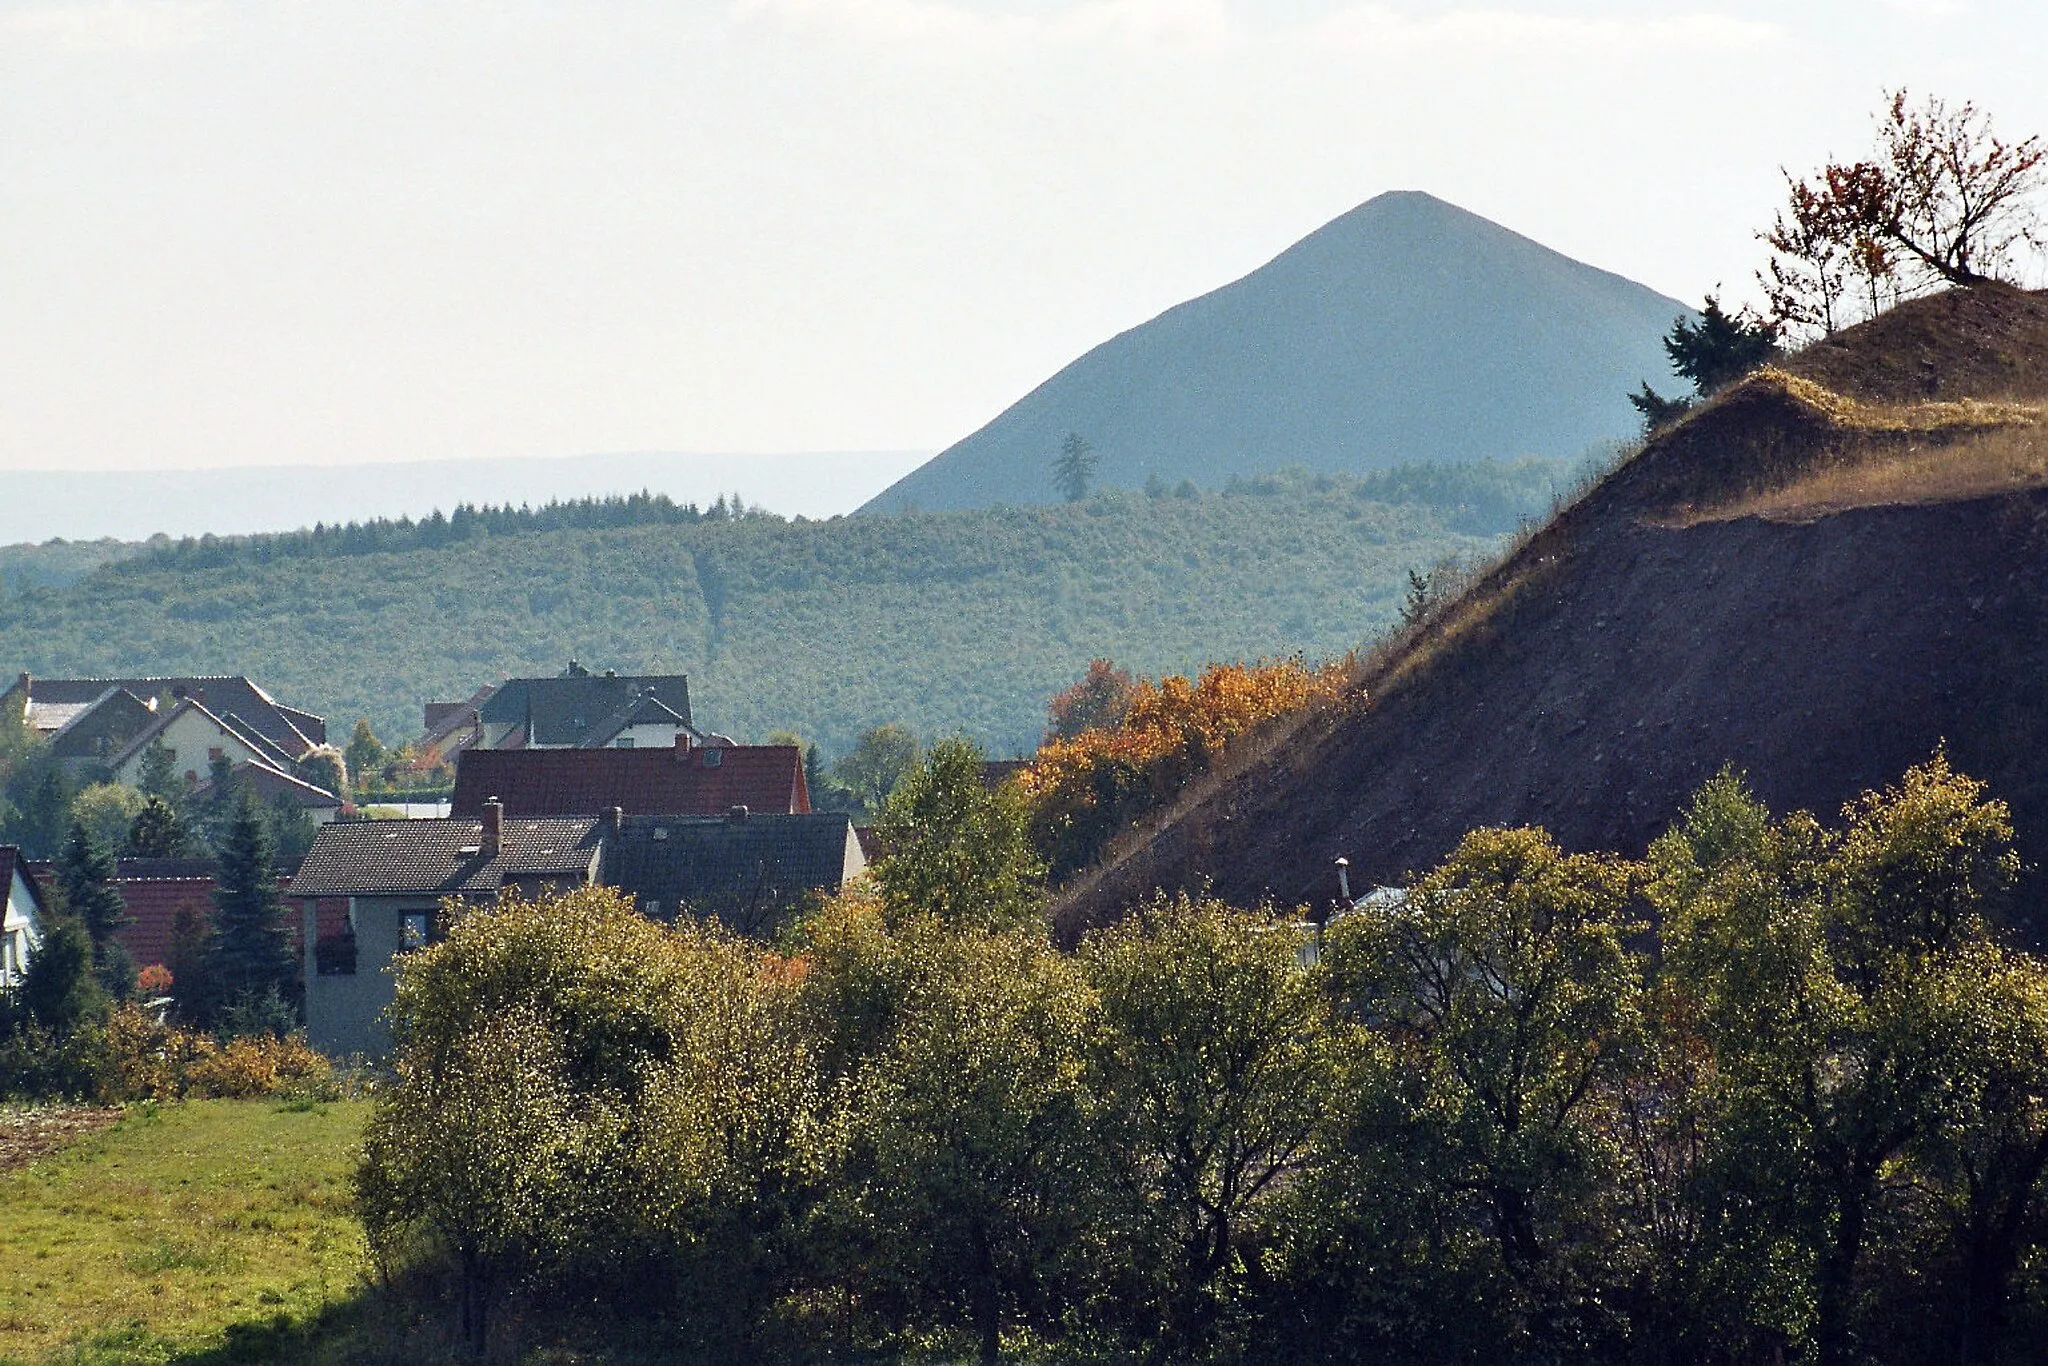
(371, 891)
(577, 709)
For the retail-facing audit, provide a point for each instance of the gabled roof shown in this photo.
(640, 711)
(101, 727)
(651, 781)
(564, 710)
(445, 721)
(149, 734)
(269, 783)
(443, 857)
(288, 728)
(11, 864)
(745, 870)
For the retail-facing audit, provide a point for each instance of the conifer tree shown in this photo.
(158, 777)
(58, 991)
(157, 832)
(250, 953)
(86, 872)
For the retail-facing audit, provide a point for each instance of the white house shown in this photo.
(21, 918)
(195, 737)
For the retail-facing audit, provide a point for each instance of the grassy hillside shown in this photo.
(948, 621)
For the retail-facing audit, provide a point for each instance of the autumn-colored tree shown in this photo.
(1084, 789)
(1943, 201)
(1100, 700)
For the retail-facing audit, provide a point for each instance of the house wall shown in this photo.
(655, 736)
(190, 738)
(19, 932)
(344, 1010)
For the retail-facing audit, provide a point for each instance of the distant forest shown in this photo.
(960, 621)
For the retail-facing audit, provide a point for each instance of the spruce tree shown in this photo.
(250, 950)
(58, 991)
(86, 872)
(156, 832)
(158, 777)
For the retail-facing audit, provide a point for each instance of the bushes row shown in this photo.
(131, 1055)
(1777, 1091)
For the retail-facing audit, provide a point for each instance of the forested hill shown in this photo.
(1406, 329)
(946, 621)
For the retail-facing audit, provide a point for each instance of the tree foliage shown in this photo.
(1800, 1113)
(90, 890)
(250, 949)
(954, 849)
(1074, 470)
(1942, 201)
(1082, 791)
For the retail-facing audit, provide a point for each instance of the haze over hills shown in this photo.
(131, 505)
(1406, 330)
(1819, 577)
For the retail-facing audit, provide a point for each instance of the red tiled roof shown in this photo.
(535, 783)
(157, 891)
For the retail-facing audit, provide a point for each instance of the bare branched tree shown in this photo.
(1943, 202)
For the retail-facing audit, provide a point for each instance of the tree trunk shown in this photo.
(1837, 1281)
(475, 1296)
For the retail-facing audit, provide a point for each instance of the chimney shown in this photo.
(1344, 879)
(494, 828)
(736, 813)
(682, 745)
(615, 818)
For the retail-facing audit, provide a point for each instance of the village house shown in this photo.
(674, 779)
(21, 918)
(371, 891)
(574, 709)
(166, 898)
(48, 704)
(108, 728)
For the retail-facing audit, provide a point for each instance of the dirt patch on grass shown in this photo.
(29, 1132)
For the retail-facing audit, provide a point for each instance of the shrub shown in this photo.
(147, 1059)
(1083, 790)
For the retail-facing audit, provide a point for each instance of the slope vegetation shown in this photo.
(947, 621)
(1407, 329)
(1817, 585)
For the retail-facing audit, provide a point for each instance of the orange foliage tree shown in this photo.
(1084, 788)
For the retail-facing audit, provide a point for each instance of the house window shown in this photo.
(334, 955)
(414, 927)
(713, 757)
(623, 742)
(652, 908)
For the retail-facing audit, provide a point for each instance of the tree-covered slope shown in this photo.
(1407, 329)
(946, 621)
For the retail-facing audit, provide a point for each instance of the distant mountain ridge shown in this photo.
(1405, 330)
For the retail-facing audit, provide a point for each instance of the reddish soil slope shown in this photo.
(1601, 674)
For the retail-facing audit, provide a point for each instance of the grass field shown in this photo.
(188, 1232)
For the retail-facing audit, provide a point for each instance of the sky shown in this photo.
(301, 232)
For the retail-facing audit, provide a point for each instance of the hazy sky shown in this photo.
(292, 230)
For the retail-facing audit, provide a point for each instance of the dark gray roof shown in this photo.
(746, 871)
(233, 694)
(442, 857)
(104, 727)
(565, 710)
(638, 711)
